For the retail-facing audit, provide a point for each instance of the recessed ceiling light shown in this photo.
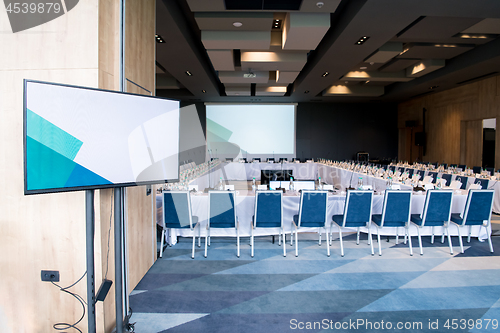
(306, 92)
(325, 74)
(362, 40)
(364, 67)
(203, 91)
(159, 39)
(188, 73)
(237, 24)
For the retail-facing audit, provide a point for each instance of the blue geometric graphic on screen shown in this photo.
(52, 136)
(48, 169)
(84, 177)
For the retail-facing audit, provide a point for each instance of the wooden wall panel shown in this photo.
(445, 127)
(41, 232)
(473, 142)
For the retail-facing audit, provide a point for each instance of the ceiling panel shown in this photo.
(397, 65)
(270, 91)
(304, 31)
(226, 40)
(237, 77)
(272, 61)
(439, 27)
(286, 77)
(225, 20)
(435, 51)
(486, 26)
(364, 90)
(222, 60)
(243, 90)
(206, 6)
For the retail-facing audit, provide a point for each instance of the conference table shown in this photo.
(245, 204)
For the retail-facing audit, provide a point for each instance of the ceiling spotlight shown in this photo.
(159, 39)
(277, 24)
(362, 40)
(237, 24)
(325, 74)
(203, 91)
(364, 67)
(306, 92)
(320, 4)
(188, 73)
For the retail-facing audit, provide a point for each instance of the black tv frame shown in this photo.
(90, 187)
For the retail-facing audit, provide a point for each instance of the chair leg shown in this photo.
(341, 243)
(470, 232)
(296, 241)
(432, 237)
(449, 239)
(284, 243)
(357, 237)
(194, 242)
(442, 237)
(238, 239)
(208, 236)
(162, 240)
(327, 242)
(291, 233)
(397, 235)
(206, 241)
(420, 241)
(319, 232)
(199, 235)
(279, 238)
(251, 242)
(370, 237)
(460, 239)
(409, 239)
(379, 242)
(406, 234)
(489, 239)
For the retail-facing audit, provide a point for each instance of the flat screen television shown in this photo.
(78, 138)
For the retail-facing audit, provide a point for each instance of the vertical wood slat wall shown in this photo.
(452, 119)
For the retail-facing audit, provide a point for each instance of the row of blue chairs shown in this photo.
(396, 212)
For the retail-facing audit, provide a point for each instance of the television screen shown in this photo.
(79, 138)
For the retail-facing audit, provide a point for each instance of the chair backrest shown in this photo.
(410, 172)
(478, 207)
(433, 176)
(476, 169)
(463, 180)
(483, 182)
(421, 173)
(444, 165)
(447, 177)
(268, 209)
(437, 206)
(490, 170)
(177, 209)
(462, 166)
(427, 179)
(456, 185)
(313, 208)
(358, 208)
(392, 168)
(221, 209)
(396, 209)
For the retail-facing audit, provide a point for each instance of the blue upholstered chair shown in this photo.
(436, 213)
(392, 168)
(477, 211)
(462, 166)
(421, 173)
(177, 215)
(410, 172)
(463, 180)
(447, 177)
(395, 213)
(222, 214)
(444, 165)
(268, 214)
(434, 176)
(312, 214)
(357, 214)
(483, 182)
(477, 169)
(490, 170)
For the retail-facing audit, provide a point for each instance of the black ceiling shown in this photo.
(429, 30)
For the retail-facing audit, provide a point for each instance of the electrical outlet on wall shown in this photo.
(50, 276)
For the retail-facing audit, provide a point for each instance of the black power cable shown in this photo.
(65, 326)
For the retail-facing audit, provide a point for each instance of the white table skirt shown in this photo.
(245, 210)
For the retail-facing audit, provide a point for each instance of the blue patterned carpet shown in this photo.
(316, 293)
